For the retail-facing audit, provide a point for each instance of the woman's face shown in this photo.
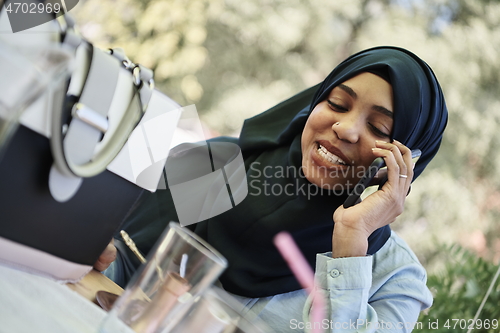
(341, 131)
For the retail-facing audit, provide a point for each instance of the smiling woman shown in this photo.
(381, 102)
(342, 130)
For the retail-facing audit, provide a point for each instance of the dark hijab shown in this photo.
(420, 113)
(280, 198)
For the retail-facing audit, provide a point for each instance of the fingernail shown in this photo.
(376, 149)
(413, 167)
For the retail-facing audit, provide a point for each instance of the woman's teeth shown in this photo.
(329, 156)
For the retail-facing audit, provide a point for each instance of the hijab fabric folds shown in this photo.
(280, 198)
(420, 113)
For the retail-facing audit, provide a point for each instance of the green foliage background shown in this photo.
(458, 290)
(236, 58)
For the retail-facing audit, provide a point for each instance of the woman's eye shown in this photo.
(336, 107)
(378, 132)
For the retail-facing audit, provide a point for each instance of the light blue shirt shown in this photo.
(384, 292)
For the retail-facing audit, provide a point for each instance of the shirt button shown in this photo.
(334, 273)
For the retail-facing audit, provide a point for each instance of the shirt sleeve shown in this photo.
(381, 293)
(367, 296)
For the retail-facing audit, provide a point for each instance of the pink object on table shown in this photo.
(304, 274)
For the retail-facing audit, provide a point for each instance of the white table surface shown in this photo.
(34, 304)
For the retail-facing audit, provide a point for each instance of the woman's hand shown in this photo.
(354, 224)
(106, 258)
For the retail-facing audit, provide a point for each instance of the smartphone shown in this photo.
(367, 178)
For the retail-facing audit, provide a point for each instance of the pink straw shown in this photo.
(304, 274)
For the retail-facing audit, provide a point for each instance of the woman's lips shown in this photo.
(332, 158)
(324, 157)
(332, 153)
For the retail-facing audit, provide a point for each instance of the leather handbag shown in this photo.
(59, 204)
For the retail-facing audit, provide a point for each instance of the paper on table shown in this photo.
(30, 303)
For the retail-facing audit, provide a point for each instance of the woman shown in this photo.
(302, 158)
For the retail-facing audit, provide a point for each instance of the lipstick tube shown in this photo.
(161, 304)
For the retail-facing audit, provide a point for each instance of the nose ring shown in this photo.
(337, 123)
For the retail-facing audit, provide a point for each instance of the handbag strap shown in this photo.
(84, 145)
(74, 150)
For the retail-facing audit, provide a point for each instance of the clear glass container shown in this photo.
(216, 311)
(178, 269)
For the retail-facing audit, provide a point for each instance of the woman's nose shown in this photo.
(348, 128)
